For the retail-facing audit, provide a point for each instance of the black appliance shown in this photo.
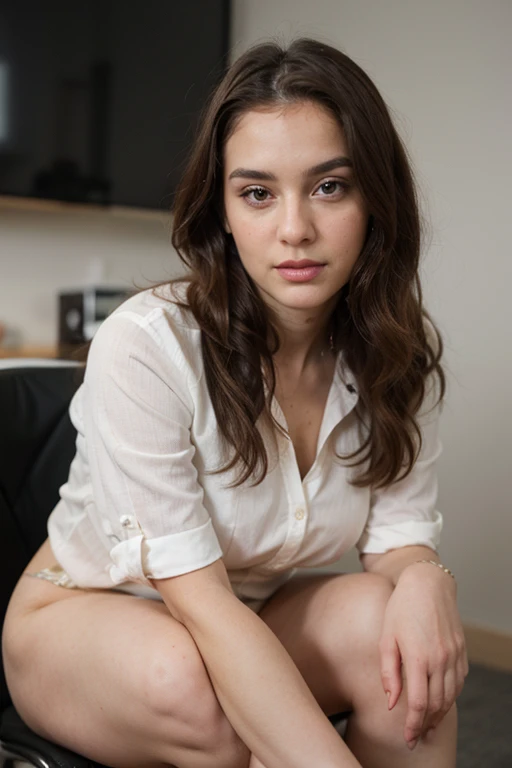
(81, 313)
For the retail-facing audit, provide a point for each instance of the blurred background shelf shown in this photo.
(38, 205)
(28, 351)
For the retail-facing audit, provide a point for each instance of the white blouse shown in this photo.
(141, 501)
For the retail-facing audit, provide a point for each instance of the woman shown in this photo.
(275, 409)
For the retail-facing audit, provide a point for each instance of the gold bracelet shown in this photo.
(439, 565)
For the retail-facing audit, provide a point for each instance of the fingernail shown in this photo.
(412, 744)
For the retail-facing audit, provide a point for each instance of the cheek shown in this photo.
(239, 223)
(360, 229)
(245, 240)
(350, 231)
(248, 240)
(249, 230)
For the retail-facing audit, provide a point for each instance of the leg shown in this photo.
(331, 625)
(113, 677)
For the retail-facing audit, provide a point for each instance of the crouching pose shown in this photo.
(266, 413)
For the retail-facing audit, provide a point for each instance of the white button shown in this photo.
(299, 514)
(126, 521)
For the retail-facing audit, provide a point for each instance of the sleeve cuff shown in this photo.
(382, 538)
(140, 559)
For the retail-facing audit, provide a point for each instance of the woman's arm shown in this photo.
(422, 640)
(423, 632)
(392, 563)
(258, 686)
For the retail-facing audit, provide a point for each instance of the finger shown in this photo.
(461, 665)
(461, 675)
(436, 696)
(466, 663)
(450, 690)
(391, 670)
(417, 700)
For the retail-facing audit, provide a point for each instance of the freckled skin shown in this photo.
(322, 218)
(290, 195)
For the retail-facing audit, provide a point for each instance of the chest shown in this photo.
(303, 408)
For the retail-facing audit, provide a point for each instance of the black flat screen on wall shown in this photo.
(99, 99)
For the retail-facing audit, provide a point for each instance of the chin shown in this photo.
(300, 297)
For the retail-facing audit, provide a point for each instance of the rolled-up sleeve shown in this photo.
(138, 410)
(404, 513)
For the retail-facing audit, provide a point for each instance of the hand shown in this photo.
(423, 631)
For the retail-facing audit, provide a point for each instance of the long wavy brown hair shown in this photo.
(388, 339)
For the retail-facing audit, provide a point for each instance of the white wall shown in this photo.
(43, 252)
(444, 67)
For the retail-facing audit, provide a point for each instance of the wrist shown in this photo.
(432, 567)
(437, 565)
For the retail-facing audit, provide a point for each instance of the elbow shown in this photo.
(369, 562)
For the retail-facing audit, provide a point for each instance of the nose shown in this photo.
(295, 223)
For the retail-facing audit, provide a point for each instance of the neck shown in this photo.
(303, 339)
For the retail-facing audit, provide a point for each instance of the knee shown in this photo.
(386, 730)
(376, 591)
(178, 689)
(372, 593)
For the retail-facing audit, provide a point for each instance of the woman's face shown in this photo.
(297, 218)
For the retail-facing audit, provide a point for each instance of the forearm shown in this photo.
(393, 563)
(259, 687)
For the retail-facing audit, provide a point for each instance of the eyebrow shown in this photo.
(328, 165)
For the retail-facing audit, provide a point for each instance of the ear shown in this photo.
(225, 224)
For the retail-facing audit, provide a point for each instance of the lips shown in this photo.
(300, 271)
(299, 264)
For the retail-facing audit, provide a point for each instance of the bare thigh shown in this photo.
(330, 625)
(113, 677)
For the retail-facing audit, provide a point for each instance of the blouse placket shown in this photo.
(342, 398)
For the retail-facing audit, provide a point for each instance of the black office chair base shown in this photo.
(18, 742)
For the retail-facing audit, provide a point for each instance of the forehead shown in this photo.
(304, 132)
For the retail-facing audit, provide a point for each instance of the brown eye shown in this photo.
(330, 187)
(255, 195)
(259, 194)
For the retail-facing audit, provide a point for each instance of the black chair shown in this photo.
(37, 444)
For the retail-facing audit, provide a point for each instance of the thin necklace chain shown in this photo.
(330, 347)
